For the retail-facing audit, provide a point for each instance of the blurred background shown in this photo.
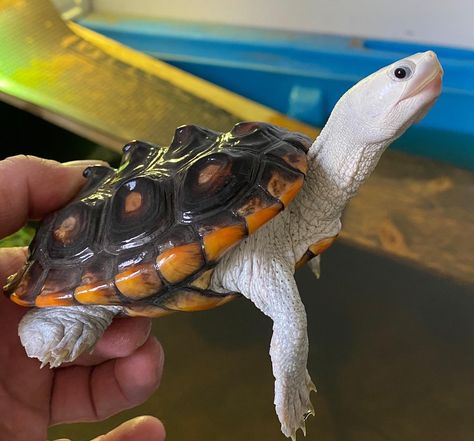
(391, 319)
(433, 22)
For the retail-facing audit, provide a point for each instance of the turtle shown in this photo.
(213, 217)
(148, 235)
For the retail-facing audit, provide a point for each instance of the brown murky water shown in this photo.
(391, 354)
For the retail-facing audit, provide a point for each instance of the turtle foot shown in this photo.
(293, 406)
(59, 335)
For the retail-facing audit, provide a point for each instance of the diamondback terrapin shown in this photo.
(156, 235)
(148, 235)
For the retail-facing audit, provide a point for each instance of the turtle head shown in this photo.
(364, 122)
(386, 103)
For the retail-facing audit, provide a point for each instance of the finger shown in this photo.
(83, 393)
(31, 187)
(11, 260)
(121, 339)
(144, 428)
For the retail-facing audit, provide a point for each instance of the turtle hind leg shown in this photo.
(59, 335)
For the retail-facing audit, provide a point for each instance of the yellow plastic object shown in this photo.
(104, 91)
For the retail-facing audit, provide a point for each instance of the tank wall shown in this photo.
(428, 21)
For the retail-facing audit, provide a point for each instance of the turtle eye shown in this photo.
(402, 72)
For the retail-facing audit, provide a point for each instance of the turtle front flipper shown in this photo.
(266, 279)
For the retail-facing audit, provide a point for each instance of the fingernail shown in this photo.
(86, 163)
(161, 355)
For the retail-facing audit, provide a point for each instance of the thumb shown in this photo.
(31, 187)
(143, 428)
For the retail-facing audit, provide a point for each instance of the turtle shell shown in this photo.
(148, 235)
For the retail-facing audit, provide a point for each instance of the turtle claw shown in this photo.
(309, 412)
(58, 357)
(54, 359)
(295, 406)
(303, 429)
(45, 362)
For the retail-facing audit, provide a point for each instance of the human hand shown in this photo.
(126, 365)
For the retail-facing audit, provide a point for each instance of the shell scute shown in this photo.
(220, 233)
(138, 213)
(190, 300)
(137, 156)
(60, 298)
(25, 285)
(282, 183)
(58, 280)
(128, 258)
(58, 287)
(214, 182)
(258, 208)
(293, 156)
(73, 232)
(139, 281)
(178, 263)
(98, 293)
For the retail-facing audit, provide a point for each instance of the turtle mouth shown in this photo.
(428, 77)
(432, 82)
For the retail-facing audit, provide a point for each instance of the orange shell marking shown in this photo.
(146, 311)
(46, 299)
(258, 210)
(217, 242)
(102, 293)
(189, 301)
(133, 201)
(19, 301)
(322, 245)
(180, 262)
(284, 190)
(138, 281)
(257, 219)
(314, 250)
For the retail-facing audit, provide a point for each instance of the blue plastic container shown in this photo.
(303, 75)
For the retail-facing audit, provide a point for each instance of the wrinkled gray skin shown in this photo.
(368, 118)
